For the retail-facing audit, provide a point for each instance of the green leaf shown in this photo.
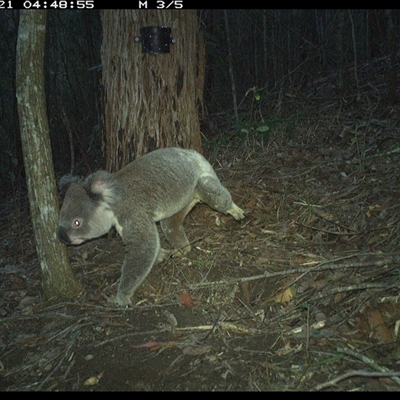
(263, 128)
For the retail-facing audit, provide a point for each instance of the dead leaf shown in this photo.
(370, 209)
(244, 292)
(286, 295)
(195, 350)
(252, 203)
(186, 299)
(298, 260)
(287, 349)
(377, 238)
(378, 327)
(93, 380)
(173, 322)
(338, 297)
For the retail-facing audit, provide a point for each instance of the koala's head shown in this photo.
(86, 212)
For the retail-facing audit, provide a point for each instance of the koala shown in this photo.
(161, 186)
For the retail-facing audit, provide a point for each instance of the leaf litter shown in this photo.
(302, 295)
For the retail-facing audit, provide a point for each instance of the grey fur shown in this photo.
(163, 186)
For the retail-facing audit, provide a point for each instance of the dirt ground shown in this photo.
(302, 295)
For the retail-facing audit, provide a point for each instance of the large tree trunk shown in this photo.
(57, 277)
(151, 101)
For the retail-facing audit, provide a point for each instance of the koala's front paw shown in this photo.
(236, 212)
(122, 301)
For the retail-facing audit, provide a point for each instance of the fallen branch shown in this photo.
(59, 364)
(369, 361)
(340, 263)
(350, 374)
(227, 326)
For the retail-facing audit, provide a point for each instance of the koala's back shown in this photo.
(163, 180)
(162, 164)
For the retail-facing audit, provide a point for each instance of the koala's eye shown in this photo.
(76, 223)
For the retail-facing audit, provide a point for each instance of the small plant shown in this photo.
(256, 134)
(253, 124)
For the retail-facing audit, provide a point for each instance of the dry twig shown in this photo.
(368, 260)
(349, 374)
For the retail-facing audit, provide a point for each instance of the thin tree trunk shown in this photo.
(57, 277)
(353, 36)
(230, 65)
(340, 48)
(392, 45)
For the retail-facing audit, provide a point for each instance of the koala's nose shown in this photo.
(63, 236)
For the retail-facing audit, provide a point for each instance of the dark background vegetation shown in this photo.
(278, 58)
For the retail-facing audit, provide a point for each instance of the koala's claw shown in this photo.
(163, 254)
(120, 301)
(236, 212)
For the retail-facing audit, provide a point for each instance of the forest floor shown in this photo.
(302, 295)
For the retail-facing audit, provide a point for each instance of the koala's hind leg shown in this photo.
(142, 250)
(211, 191)
(173, 228)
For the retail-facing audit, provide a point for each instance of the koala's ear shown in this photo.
(65, 182)
(102, 184)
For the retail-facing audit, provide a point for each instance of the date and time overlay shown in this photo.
(86, 4)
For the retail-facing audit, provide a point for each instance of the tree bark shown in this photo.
(57, 277)
(150, 101)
